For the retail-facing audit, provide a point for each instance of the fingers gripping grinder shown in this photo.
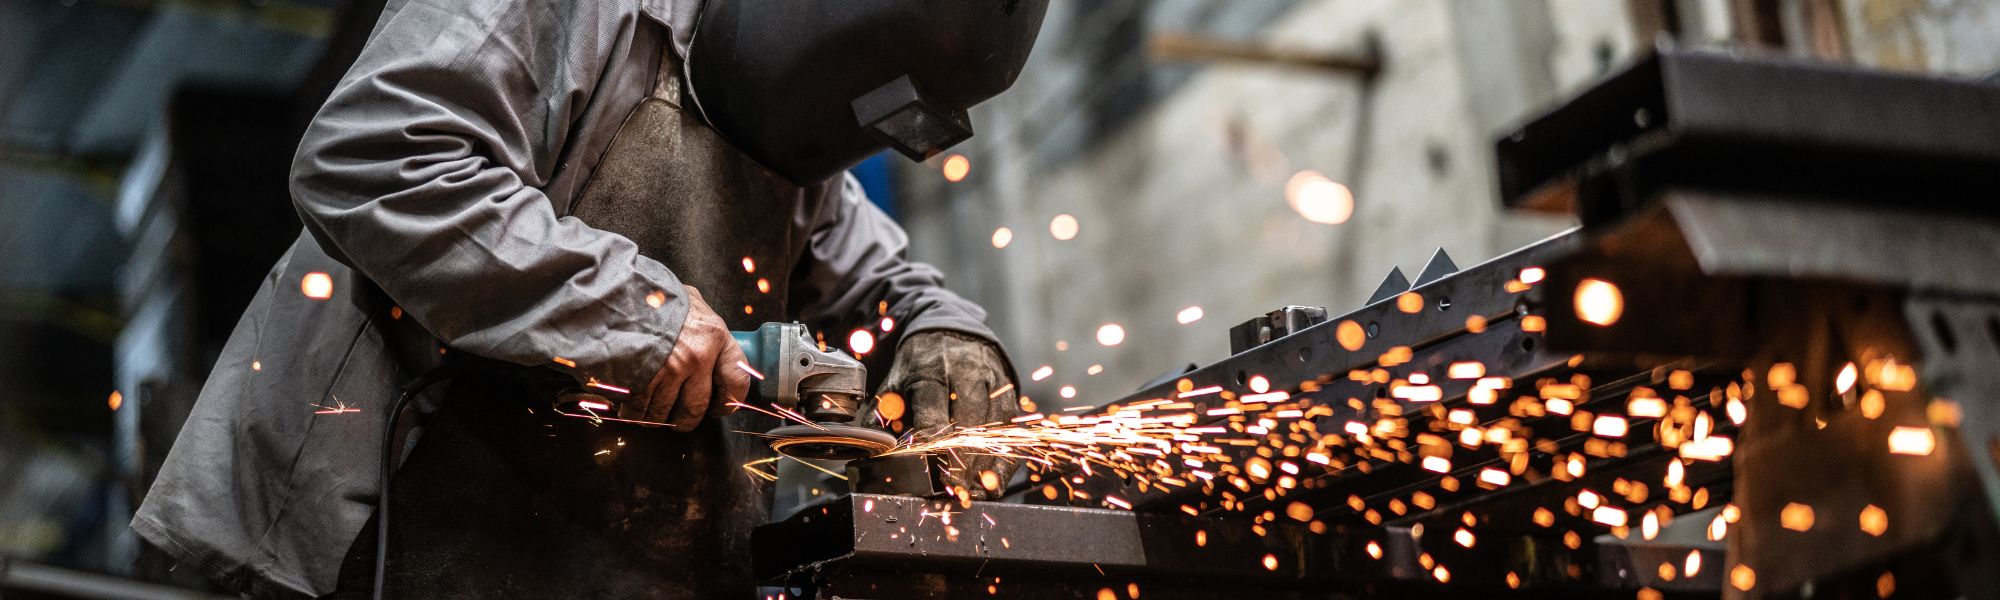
(793, 377)
(825, 386)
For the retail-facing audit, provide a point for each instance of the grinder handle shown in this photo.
(753, 352)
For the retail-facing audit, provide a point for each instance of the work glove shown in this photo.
(700, 378)
(948, 380)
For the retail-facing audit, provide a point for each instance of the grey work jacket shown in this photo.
(434, 186)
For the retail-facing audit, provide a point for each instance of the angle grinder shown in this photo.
(791, 375)
(824, 386)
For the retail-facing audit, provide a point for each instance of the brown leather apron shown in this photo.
(502, 498)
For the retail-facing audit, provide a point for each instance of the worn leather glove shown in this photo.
(948, 380)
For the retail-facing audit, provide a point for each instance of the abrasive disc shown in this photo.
(830, 441)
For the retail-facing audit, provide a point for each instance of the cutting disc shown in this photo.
(830, 441)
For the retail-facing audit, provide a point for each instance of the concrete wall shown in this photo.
(1181, 197)
(1945, 36)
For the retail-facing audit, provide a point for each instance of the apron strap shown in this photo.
(667, 83)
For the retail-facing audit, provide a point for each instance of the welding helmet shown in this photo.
(810, 88)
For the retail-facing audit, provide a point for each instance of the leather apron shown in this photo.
(503, 498)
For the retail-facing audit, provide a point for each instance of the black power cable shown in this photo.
(388, 467)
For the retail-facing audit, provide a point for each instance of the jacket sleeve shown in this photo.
(856, 263)
(420, 174)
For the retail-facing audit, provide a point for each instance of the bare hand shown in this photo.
(700, 377)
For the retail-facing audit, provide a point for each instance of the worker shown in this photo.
(602, 190)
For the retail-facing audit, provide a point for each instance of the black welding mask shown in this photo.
(810, 88)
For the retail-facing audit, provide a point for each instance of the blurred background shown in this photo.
(1163, 170)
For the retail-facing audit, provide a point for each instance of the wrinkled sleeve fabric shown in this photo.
(857, 260)
(420, 173)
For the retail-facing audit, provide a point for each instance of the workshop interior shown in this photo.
(1300, 299)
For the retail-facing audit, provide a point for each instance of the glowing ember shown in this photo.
(746, 368)
(1599, 302)
(861, 342)
(1110, 334)
(1692, 566)
(890, 405)
(1419, 393)
(1410, 302)
(1532, 275)
(1912, 441)
(1796, 517)
(1189, 315)
(1374, 550)
(1494, 477)
(1350, 335)
(1271, 562)
(1466, 370)
(1610, 426)
(607, 387)
(317, 285)
(1844, 382)
(1042, 373)
(1895, 377)
(956, 167)
(1609, 516)
(1464, 537)
(1872, 404)
(1067, 391)
(1318, 199)
(1002, 237)
(1874, 520)
(1063, 227)
(656, 299)
(888, 324)
(1437, 464)
(749, 265)
(1742, 577)
(117, 400)
(1711, 448)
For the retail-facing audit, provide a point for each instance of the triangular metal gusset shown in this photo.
(1394, 284)
(1439, 266)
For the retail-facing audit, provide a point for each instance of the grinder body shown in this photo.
(824, 385)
